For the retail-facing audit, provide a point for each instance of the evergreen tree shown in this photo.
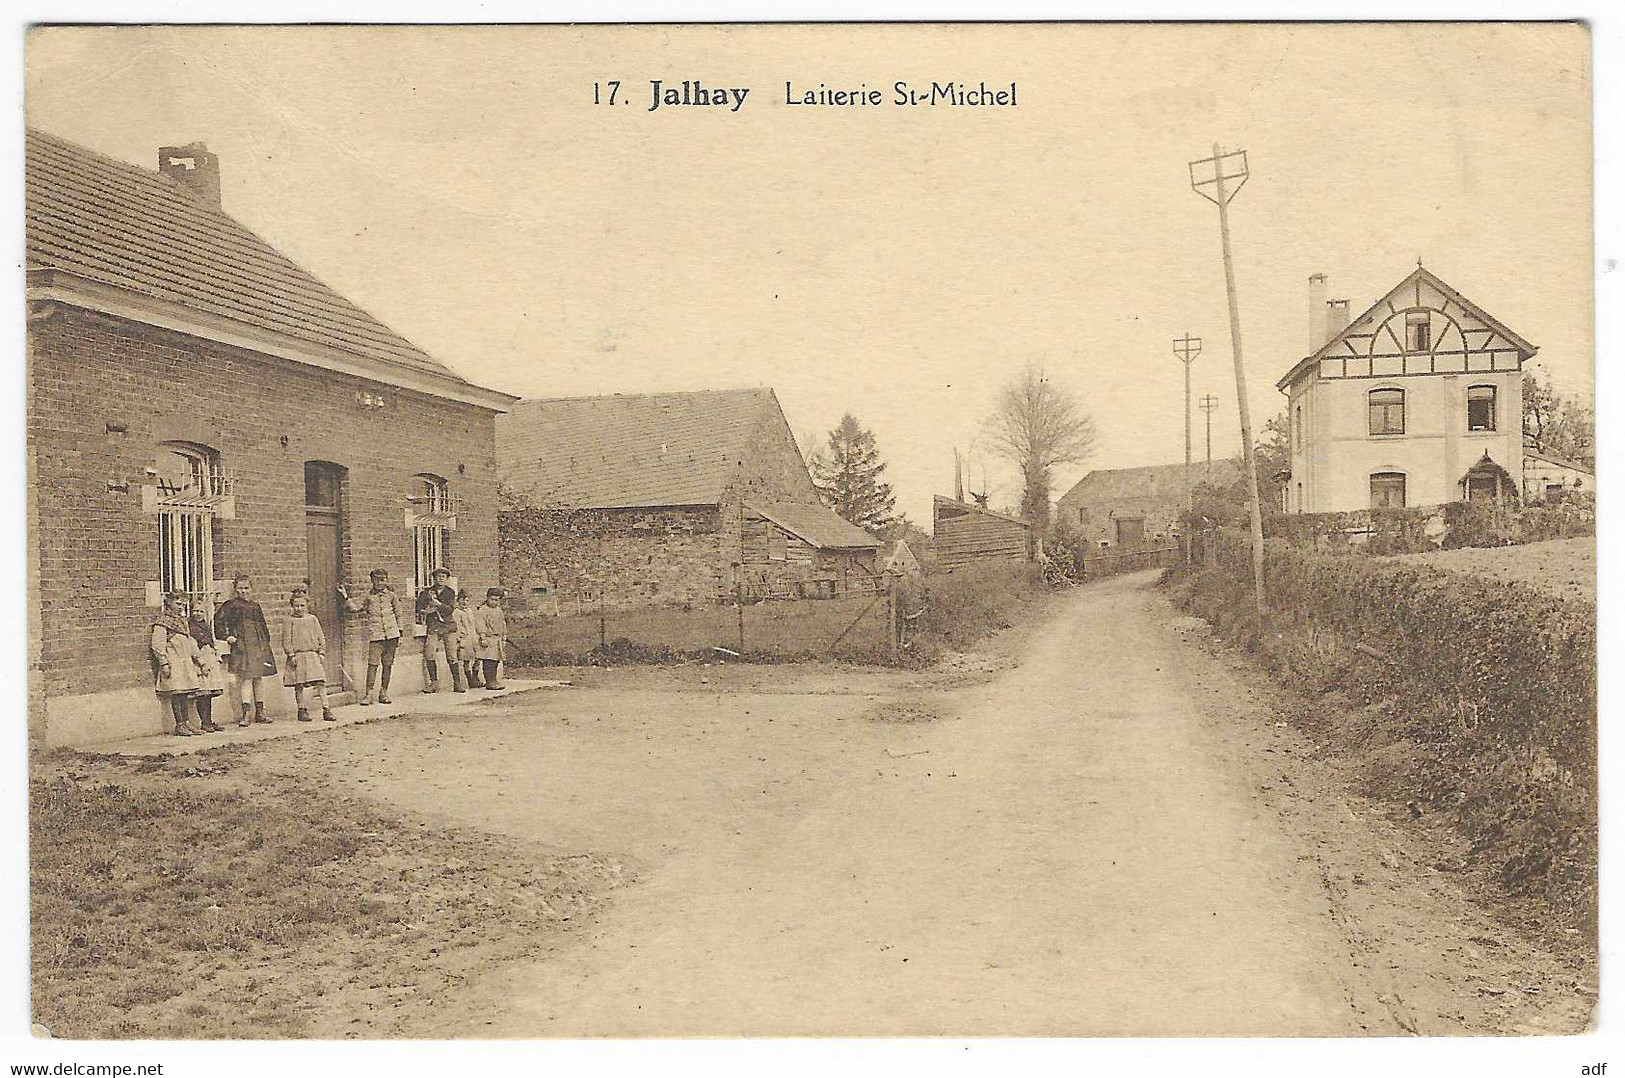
(847, 475)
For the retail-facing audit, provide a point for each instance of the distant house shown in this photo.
(1547, 475)
(1418, 401)
(199, 405)
(899, 557)
(964, 534)
(666, 500)
(1126, 507)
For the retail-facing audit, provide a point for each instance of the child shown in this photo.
(492, 626)
(468, 642)
(382, 609)
(435, 606)
(304, 645)
(175, 662)
(241, 624)
(211, 678)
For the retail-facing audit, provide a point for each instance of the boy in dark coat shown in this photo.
(435, 606)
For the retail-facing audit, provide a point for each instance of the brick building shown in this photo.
(1125, 507)
(666, 500)
(200, 405)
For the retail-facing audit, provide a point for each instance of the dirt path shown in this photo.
(1111, 838)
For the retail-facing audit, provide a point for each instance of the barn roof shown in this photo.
(1156, 482)
(817, 525)
(943, 506)
(622, 452)
(110, 227)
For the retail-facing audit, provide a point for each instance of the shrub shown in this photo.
(1494, 683)
(962, 608)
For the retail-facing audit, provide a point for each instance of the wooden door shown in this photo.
(324, 556)
(322, 549)
(1130, 532)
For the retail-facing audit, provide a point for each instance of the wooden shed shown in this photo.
(967, 534)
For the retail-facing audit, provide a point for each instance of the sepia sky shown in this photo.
(898, 263)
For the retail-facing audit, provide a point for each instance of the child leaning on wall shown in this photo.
(304, 645)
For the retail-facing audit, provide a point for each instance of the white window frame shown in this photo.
(186, 512)
(432, 515)
(1494, 401)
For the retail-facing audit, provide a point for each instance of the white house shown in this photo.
(1418, 401)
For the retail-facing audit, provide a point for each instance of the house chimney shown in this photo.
(194, 166)
(1317, 311)
(1337, 317)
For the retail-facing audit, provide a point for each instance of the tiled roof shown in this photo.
(624, 452)
(1158, 482)
(816, 524)
(94, 217)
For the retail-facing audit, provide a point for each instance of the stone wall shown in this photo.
(555, 561)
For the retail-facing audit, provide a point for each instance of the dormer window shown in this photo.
(1418, 331)
(1480, 408)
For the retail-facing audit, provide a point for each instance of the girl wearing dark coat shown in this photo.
(240, 622)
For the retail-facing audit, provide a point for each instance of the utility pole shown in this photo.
(1208, 403)
(1220, 196)
(1187, 348)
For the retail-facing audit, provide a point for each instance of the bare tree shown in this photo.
(1038, 426)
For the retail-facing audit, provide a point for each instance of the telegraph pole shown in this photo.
(1187, 348)
(1208, 403)
(1220, 196)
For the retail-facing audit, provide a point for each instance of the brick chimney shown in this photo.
(194, 166)
(1317, 312)
(1337, 317)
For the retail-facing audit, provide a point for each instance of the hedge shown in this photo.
(1495, 682)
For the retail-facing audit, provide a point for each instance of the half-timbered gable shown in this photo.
(1417, 401)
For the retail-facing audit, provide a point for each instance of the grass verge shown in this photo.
(187, 899)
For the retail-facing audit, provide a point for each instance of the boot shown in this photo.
(383, 685)
(327, 714)
(456, 676)
(372, 677)
(242, 713)
(434, 676)
(475, 681)
(205, 711)
(182, 730)
(259, 712)
(304, 715)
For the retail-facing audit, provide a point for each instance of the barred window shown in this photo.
(189, 484)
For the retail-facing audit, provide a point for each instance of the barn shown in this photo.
(668, 499)
(964, 534)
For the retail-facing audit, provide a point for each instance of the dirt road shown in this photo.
(1111, 837)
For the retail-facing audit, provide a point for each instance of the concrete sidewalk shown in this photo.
(417, 703)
